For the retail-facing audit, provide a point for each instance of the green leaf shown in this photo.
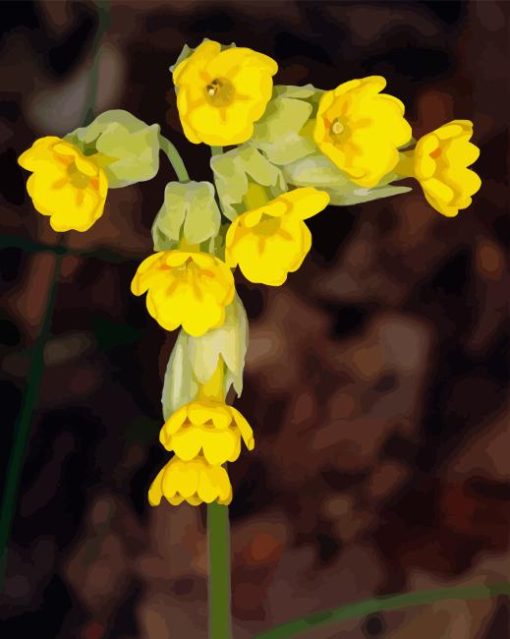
(128, 148)
(189, 212)
(361, 609)
(234, 170)
(318, 171)
(194, 359)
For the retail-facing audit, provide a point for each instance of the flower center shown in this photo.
(336, 129)
(220, 92)
(268, 225)
(76, 177)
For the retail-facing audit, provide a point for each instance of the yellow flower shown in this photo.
(361, 129)
(441, 159)
(220, 94)
(209, 428)
(185, 288)
(193, 481)
(271, 241)
(65, 184)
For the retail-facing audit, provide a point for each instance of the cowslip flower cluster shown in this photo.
(204, 435)
(292, 152)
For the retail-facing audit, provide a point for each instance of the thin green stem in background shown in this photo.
(22, 430)
(33, 246)
(218, 536)
(174, 158)
(103, 16)
(21, 435)
(392, 602)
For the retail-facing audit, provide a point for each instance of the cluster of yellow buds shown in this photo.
(294, 150)
(204, 435)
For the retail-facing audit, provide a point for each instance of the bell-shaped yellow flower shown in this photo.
(441, 159)
(209, 428)
(360, 129)
(185, 288)
(272, 241)
(220, 94)
(193, 481)
(66, 185)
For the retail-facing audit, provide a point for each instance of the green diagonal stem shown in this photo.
(22, 430)
(174, 158)
(359, 609)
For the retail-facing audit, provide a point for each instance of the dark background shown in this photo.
(376, 379)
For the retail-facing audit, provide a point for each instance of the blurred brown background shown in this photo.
(376, 379)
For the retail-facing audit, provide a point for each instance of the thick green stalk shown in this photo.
(381, 604)
(174, 158)
(218, 535)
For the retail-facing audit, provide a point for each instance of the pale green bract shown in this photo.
(194, 359)
(318, 171)
(277, 134)
(189, 213)
(128, 146)
(234, 170)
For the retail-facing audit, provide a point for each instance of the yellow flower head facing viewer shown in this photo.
(65, 185)
(213, 429)
(193, 481)
(185, 289)
(220, 94)
(272, 241)
(360, 129)
(441, 159)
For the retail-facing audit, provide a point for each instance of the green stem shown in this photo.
(218, 150)
(174, 158)
(380, 604)
(21, 434)
(218, 533)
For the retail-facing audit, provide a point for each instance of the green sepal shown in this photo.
(279, 132)
(185, 53)
(318, 171)
(127, 148)
(234, 170)
(194, 359)
(189, 213)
